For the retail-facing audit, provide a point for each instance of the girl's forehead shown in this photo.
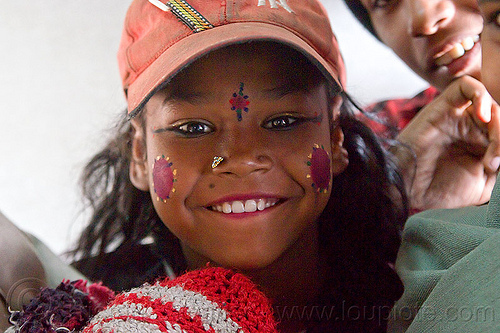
(270, 62)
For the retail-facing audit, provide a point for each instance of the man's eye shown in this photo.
(491, 22)
(192, 129)
(378, 4)
(495, 19)
(282, 122)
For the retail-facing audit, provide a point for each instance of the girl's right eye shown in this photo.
(192, 128)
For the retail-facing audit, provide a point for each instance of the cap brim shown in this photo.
(174, 59)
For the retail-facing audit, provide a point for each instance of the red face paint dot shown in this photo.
(320, 168)
(163, 178)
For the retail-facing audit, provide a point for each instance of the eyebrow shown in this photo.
(284, 90)
(485, 1)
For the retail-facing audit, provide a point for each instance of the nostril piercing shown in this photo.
(216, 161)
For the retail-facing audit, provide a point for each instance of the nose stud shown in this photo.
(216, 161)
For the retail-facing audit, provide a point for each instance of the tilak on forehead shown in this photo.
(239, 102)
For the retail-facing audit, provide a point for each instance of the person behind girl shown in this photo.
(439, 40)
(239, 149)
(449, 258)
(490, 46)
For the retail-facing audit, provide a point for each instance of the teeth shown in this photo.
(238, 207)
(468, 43)
(226, 208)
(457, 51)
(248, 206)
(261, 205)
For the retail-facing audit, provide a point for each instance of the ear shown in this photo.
(139, 171)
(340, 156)
(335, 106)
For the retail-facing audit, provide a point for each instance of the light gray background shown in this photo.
(60, 92)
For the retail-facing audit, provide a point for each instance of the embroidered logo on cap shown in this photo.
(274, 4)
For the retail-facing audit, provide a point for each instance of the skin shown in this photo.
(419, 31)
(462, 127)
(490, 40)
(265, 156)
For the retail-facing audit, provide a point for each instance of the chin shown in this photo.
(249, 261)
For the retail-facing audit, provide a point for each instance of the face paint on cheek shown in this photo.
(320, 167)
(163, 178)
(239, 102)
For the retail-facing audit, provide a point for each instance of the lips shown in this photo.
(244, 206)
(455, 51)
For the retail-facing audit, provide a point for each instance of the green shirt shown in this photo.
(449, 262)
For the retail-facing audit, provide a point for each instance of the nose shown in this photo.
(428, 16)
(243, 154)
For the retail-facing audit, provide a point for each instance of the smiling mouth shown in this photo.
(244, 206)
(458, 50)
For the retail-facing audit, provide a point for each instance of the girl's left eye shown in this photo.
(284, 122)
(192, 129)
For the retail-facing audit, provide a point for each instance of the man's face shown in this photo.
(490, 39)
(437, 39)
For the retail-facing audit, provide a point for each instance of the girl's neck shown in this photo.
(295, 278)
(294, 281)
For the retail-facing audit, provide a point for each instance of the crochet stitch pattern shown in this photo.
(207, 300)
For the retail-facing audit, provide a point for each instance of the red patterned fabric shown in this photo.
(393, 115)
(208, 300)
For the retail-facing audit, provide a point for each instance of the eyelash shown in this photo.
(284, 122)
(194, 129)
(188, 129)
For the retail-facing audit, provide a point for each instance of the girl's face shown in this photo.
(437, 39)
(268, 121)
(490, 39)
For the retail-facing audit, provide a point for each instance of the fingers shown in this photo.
(472, 96)
(491, 158)
(485, 113)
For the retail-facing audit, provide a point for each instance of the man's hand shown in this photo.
(450, 152)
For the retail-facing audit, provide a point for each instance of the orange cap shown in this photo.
(160, 39)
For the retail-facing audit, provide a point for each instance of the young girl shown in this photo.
(239, 150)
